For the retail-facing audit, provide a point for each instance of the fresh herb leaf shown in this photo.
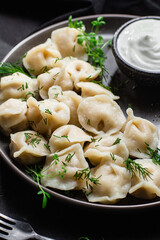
(154, 154)
(7, 68)
(134, 167)
(86, 174)
(35, 173)
(117, 141)
(92, 44)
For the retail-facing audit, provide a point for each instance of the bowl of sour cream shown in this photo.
(136, 47)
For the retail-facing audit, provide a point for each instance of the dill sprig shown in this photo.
(7, 68)
(154, 154)
(134, 167)
(92, 43)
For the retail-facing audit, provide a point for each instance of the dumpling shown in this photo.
(17, 85)
(81, 71)
(109, 148)
(46, 80)
(114, 183)
(28, 147)
(65, 40)
(70, 98)
(47, 115)
(41, 57)
(69, 71)
(61, 168)
(66, 136)
(57, 75)
(149, 187)
(100, 114)
(13, 115)
(90, 89)
(139, 131)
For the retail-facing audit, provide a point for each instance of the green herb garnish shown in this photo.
(35, 173)
(134, 167)
(154, 154)
(92, 43)
(10, 68)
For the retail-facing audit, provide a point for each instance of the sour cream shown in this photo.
(139, 44)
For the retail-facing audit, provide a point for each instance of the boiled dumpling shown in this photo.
(66, 136)
(139, 131)
(13, 115)
(100, 114)
(41, 57)
(149, 187)
(17, 85)
(60, 168)
(70, 98)
(28, 147)
(109, 148)
(47, 115)
(114, 183)
(90, 89)
(81, 71)
(65, 40)
(66, 73)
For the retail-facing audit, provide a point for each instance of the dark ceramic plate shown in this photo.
(145, 103)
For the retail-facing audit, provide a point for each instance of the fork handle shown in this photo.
(40, 237)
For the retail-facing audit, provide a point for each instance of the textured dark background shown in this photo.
(17, 198)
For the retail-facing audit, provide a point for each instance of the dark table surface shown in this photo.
(62, 221)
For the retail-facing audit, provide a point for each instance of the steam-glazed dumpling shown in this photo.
(61, 168)
(109, 148)
(100, 114)
(65, 40)
(13, 115)
(149, 187)
(70, 98)
(90, 89)
(17, 85)
(139, 131)
(47, 115)
(28, 147)
(114, 183)
(66, 136)
(41, 57)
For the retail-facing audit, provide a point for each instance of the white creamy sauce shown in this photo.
(139, 44)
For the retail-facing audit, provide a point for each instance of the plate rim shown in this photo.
(27, 178)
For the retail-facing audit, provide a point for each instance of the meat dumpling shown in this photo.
(139, 131)
(70, 98)
(106, 147)
(28, 147)
(113, 185)
(13, 115)
(41, 57)
(100, 114)
(66, 136)
(17, 85)
(61, 168)
(149, 187)
(47, 115)
(65, 40)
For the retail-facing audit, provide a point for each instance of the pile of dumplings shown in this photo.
(59, 116)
